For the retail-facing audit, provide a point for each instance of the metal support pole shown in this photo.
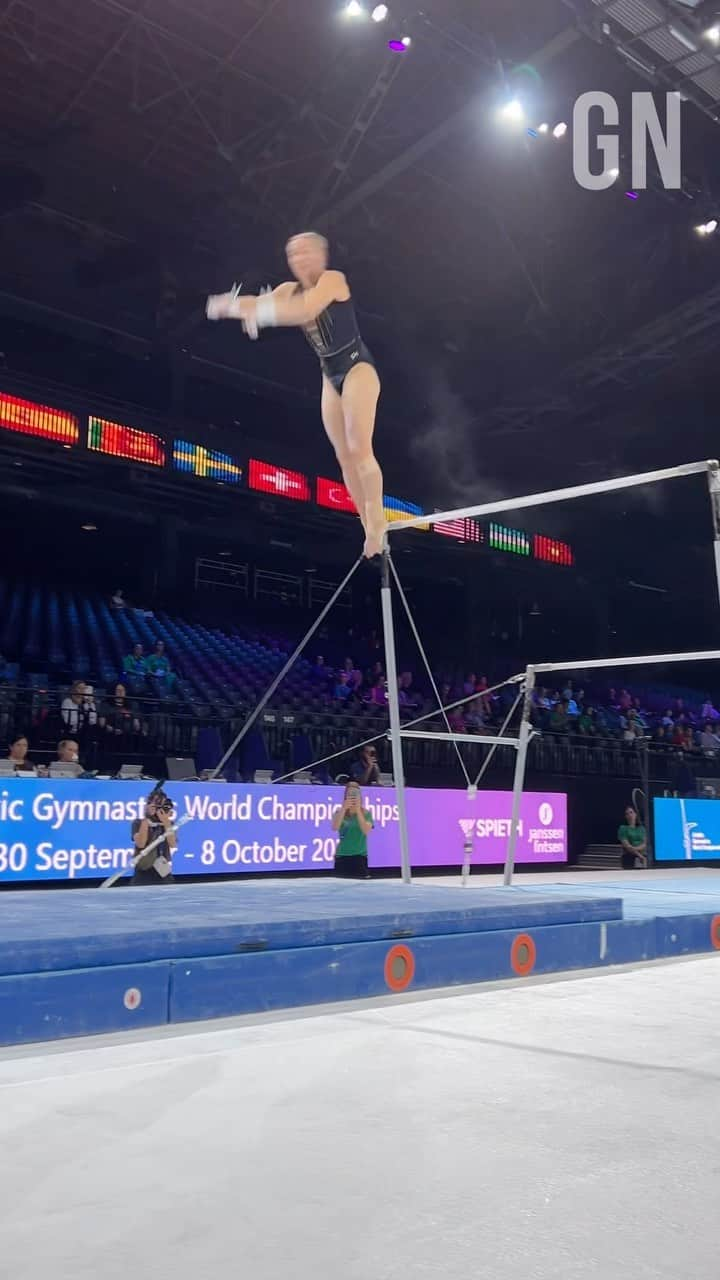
(519, 780)
(394, 709)
(282, 673)
(714, 487)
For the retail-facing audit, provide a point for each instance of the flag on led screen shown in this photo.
(126, 442)
(514, 540)
(396, 509)
(465, 530)
(333, 495)
(267, 478)
(38, 420)
(553, 551)
(196, 460)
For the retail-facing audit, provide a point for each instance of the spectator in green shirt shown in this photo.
(162, 678)
(353, 823)
(633, 838)
(135, 668)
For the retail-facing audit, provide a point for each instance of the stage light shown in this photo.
(513, 111)
(613, 173)
(89, 528)
(712, 34)
(379, 13)
(354, 10)
(399, 46)
(543, 128)
(560, 130)
(707, 228)
(406, 41)
(631, 195)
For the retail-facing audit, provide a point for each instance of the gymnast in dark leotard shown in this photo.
(321, 305)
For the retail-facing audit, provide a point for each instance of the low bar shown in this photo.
(480, 739)
(555, 495)
(704, 655)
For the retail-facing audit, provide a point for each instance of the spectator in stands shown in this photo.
(377, 695)
(474, 715)
(600, 718)
(709, 740)
(625, 702)
(343, 690)
(376, 671)
(470, 684)
(68, 753)
(366, 769)
(456, 720)
(18, 753)
(688, 741)
(633, 838)
(586, 722)
(559, 717)
(135, 668)
(117, 600)
(667, 721)
(541, 699)
(78, 710)
(487, 701)
(411, 697)
(709, 712)
(661, 738)
(353, 673)
(116, 716)
(573, 709)
(161, 677)
(633, 729)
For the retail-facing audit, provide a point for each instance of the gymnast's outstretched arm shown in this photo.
(284, 306)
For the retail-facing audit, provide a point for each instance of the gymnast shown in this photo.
(321, 305)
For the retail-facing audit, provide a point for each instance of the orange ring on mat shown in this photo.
(523, 964)
(399, 958)
(715, 932)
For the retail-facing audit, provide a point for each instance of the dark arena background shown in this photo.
(361, 912)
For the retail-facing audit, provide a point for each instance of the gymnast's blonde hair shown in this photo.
(309, 235)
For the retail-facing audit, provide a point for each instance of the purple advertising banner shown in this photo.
(66, 830)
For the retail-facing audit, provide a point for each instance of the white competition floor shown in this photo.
(521, 1132)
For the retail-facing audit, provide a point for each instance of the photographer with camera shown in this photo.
(353, 824)
(155, 866)
(366, 770)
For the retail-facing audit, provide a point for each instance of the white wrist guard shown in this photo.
(265, 312)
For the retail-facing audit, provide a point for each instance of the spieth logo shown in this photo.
(467, 826)
(545, 814)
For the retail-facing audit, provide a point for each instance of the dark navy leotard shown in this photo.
(335, 338)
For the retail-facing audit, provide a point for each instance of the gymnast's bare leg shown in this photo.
(349, 420)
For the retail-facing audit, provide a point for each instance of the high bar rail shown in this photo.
(639, 660)
(557, 495)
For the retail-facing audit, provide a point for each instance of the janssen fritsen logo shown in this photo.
(545, 814)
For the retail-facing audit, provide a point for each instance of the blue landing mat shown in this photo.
(647, 898)
(85, 928)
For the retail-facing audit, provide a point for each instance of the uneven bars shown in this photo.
(638, 661)
(555, 495)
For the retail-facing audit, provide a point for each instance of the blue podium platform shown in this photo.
(91, 961)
